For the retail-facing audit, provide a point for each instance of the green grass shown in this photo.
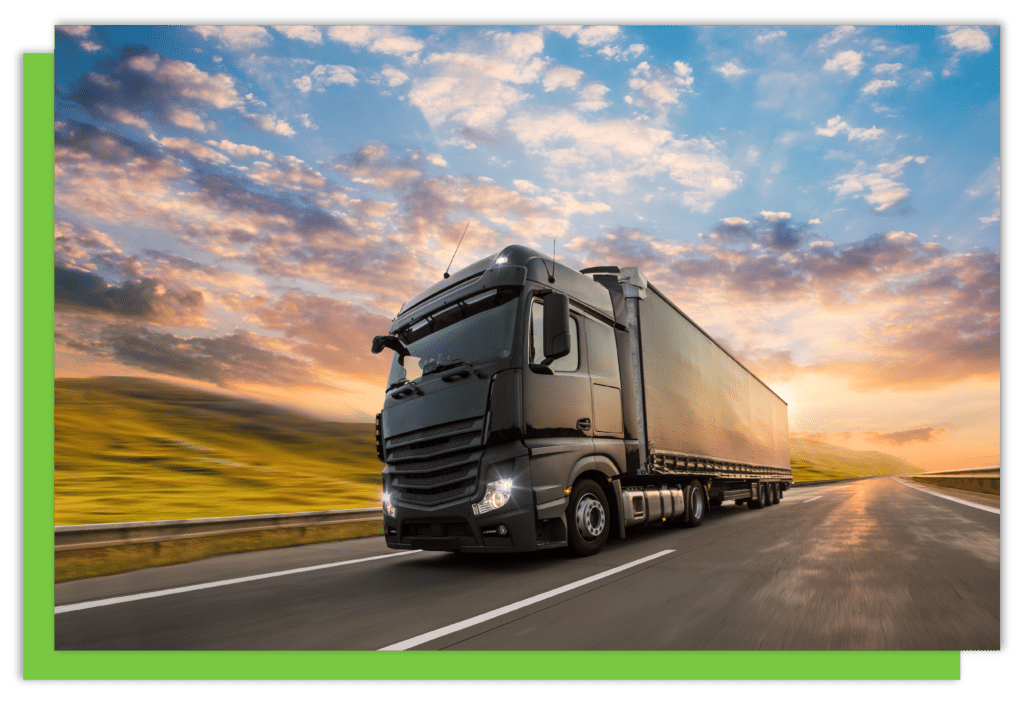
(814, 460)
(129, 449)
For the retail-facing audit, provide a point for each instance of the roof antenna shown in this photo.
(551, 277)
(446, 275)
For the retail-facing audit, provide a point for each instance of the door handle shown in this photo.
(583, 425)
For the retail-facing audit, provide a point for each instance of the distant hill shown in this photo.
(131, 449)
(815, 460)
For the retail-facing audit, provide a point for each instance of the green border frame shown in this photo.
(41, 661)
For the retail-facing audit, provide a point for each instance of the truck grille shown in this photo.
(436, 465)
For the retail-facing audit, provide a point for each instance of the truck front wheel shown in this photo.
(588, 518)
(696, 506)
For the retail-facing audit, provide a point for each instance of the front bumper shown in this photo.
(457, 529)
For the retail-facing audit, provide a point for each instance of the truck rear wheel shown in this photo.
(762, 497)
(588, 518)
(696, 506)
(771, 496)
(776, 494)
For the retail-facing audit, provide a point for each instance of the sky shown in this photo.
(244, 208)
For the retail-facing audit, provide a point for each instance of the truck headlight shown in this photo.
(389, 508)
(495, 496)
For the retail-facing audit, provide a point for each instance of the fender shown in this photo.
(601, 463)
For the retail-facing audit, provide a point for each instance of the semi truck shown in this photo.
(530, 406)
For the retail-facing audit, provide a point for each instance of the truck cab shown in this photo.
(504, 391)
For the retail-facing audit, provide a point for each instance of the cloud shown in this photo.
(886, 68)
(561, 77)
(377, 39)
(327, 75)
(141, 81)
(925, 434)
(311, 325)
(964, 40)
(770, 36)
(306, 33)
(836, 124)
(477, 89)
(850, 62)
(837, 35)
(80, 33)
(883, 191)
(614, 51)
(730, 69)
(392, 76)
(588, 36)
(878, 84)
(592, 97)
(239, 151)
(968, 39)
(196, 149)
(236, 37)
(241, 357)
(607, 154)
(143, 299)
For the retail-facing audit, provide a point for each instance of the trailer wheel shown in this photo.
(762, 497)
(776, 494)
(696, 506)
(771, 496)
(588, 518)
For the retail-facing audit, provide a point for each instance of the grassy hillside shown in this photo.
(129, 449)
(814, 460)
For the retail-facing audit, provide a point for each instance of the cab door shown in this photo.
(557, 407)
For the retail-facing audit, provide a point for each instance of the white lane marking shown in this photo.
(218, 583)
(994, 510)
(813, 498)
(458, 626)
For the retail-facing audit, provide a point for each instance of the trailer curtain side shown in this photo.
(700, 400)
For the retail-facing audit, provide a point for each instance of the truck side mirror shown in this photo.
(557, 341)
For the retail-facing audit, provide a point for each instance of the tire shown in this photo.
(587, 518)
(771, 496)
(762, 497)
(696, 504)
(776, 494)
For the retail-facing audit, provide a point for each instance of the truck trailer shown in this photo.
(530, 406)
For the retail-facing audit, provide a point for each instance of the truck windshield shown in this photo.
(474, 330)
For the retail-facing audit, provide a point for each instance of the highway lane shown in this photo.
(864, 565)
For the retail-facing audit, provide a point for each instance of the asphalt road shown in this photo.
(873, 564)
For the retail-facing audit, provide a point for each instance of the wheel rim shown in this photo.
(590, 517)
(698, 503)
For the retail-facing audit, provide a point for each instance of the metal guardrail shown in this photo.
(86, 536)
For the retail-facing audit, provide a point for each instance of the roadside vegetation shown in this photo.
(814, 460)
(129, 449)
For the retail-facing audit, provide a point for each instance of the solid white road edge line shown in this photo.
(458, 626)
(994, 510)
(813, 498)
(218, 583)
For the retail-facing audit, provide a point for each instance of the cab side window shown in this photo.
(569, 363)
